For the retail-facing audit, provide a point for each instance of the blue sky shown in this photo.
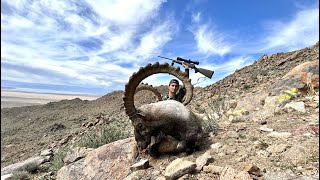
(93, 47)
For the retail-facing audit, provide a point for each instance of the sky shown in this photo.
(94, 46)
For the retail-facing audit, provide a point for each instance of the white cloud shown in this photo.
(154, 40)
(196, 17)
(126, 12)
(44, 38)
(210, 42)
(301, 31)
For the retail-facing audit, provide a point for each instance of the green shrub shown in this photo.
(246, 87)
(107, 135)
(263, 145)
(20, 175)
(57, 162)
(217, 109)
(30, 167)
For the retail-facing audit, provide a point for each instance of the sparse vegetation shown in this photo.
(246, 87)
(108, 134)
(217, 109)
(20, 175)
(30, 167)
(262, 145)
(57, 162)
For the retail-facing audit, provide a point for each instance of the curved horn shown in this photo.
(144, 72)
(143, 86)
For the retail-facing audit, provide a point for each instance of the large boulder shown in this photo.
(110, 161)
(303, 77)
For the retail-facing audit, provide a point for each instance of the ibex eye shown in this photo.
(140, 126)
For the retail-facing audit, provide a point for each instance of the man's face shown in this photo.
(173, 87)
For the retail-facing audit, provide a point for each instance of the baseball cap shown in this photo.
(174, 81)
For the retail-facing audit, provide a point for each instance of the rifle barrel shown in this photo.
(166, 58)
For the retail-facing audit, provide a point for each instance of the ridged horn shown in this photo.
(148, 70)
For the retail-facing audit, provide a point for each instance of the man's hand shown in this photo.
(185, 65)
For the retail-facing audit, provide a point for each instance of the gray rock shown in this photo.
(277, 148)
(230, 173)
(36, 161)
(178, 168)
(265, 129)
(110, 161)
(216, 146)
(213, 169)
(46, 152)
(76, 154)
(279, 134)
(142, 164)
(203, 160)
(298, 106)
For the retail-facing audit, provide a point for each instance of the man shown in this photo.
(174, 87)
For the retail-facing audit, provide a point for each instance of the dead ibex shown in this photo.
(168, 117)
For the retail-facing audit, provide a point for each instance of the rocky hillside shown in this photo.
(262, 121)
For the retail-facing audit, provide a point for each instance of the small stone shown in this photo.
(266, 129)
(275, 149)
(213, 169)
(253, 169)
(142, 164)
(203, 160)
(216, 146)
(279, 134)
(230, 173)
(46, 152)
(178, 168)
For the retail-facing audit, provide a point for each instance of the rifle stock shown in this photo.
(204, 72)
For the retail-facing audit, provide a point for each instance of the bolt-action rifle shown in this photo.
(191, 64)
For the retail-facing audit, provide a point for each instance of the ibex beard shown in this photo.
(168, 122)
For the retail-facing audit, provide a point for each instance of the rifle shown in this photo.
(191, 64)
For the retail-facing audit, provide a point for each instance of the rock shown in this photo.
(178, 168)
(280, 175)
(307, 72)
(296, 155)
(36, 161)
(110, 161)
(279, 134)
(76, 154)
(161, 178)
(266, 129)
(298, 106)
(270, 104)
(233, 104)
(315, 129)
(142, 164)
(203, 160)
(277, 148)
(232, 134)
(46, 152)
(136, 175)
(228, 173)
(216, 146)
(253, 169)
(7, 176)
(212, 169)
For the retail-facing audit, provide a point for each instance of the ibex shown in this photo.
(165, 117)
